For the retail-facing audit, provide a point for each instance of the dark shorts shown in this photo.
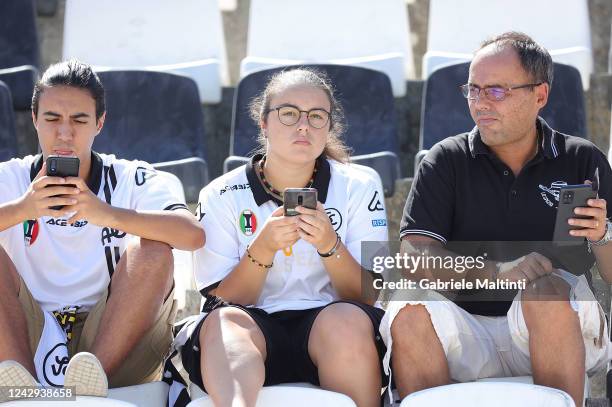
(286, 334)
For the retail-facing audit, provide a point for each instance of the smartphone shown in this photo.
(293, 197)
(61, 166)
(570, 198)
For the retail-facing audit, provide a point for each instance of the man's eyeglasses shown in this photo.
(493, 93)
(290, 115)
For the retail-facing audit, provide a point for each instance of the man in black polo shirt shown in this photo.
(499, 183)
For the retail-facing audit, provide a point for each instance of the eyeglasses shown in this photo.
(290, 115)
(493, 93)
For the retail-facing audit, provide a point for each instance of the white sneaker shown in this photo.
(13, 374)
(86, 374)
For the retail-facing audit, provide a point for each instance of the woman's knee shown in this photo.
(343, 327)
(231, 325)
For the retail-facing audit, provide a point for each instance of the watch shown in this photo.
(607, 237)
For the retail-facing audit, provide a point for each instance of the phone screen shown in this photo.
(293, 197)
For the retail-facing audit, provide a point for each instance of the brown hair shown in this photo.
(335, 148)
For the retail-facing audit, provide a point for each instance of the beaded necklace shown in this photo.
(273, 191)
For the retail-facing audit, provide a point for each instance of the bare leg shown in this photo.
(141, 282)
(417, 355)
(556, 346)
(14, 339)
(233, 352)
(342, 346)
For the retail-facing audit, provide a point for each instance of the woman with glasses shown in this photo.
(284, 293)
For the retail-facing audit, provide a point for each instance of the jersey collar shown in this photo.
(321, 180)
(95, 173)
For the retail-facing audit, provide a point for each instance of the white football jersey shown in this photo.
(234, 207)
(71, 265)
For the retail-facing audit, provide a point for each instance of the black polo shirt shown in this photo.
(463, 192)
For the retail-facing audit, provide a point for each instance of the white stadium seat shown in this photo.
(363, 33)
(456, 29)
(154, 394)
(467, 392)
(184, 38)
(292, 394)
(498, 394)
(80, 401)
(228, 5)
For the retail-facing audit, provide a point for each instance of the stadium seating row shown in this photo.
(164, 109)
(189, 39)
(19, 51)
(505, 392)
(478, 19)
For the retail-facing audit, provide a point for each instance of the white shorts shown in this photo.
(478, 347)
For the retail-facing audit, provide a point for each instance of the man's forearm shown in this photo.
(603, 256)
(10, 214)
(175, 228)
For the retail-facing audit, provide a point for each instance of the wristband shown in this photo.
(263, 266)
(333, 250)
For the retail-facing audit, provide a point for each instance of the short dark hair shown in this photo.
(75, 74)
(534, 58)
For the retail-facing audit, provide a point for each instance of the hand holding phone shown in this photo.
(570, 198)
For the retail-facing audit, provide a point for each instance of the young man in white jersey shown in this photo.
(102, 264)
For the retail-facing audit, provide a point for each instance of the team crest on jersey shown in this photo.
(247, 222)
(30, 231)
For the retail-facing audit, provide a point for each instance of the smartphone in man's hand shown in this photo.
(570, 198)
(62, 166)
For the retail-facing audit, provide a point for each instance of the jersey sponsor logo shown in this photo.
(550, 194)
(198, 213)
(108, 234)
(334, 217)
(379, 222)
(143, 174)
(375, 203)
(30, 231)
(235, 187)
(54, 365)
(64, 222)
(247, 222)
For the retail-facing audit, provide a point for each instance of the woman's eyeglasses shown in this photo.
(290, 115)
